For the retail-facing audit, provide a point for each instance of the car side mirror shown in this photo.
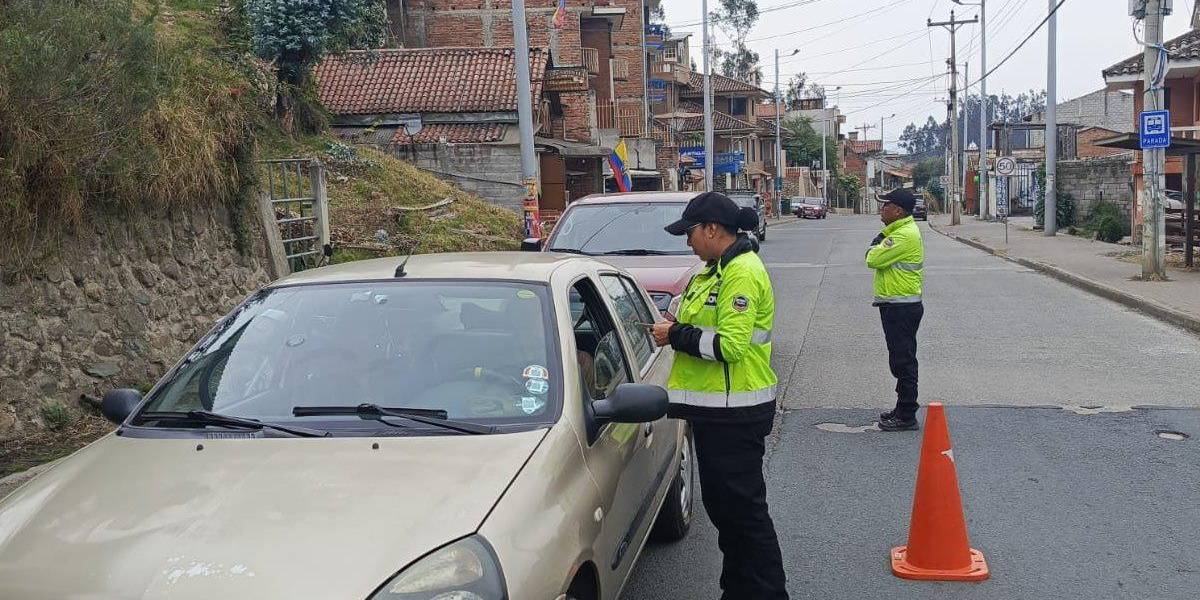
(632, 403)
(531, 245)
(117, 405)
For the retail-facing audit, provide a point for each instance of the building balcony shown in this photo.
(591, 60)
(626, 119)
(620, 69)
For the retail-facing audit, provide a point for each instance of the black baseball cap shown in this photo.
(708, 207)
(902, 197)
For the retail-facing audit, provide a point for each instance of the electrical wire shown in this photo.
(1023, 42)
(892, 4)
(769, 9)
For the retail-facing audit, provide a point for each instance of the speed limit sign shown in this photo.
(1005, 166)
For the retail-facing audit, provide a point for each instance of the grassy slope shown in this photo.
(363, 187)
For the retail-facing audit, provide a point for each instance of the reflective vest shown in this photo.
(733, 305)
(899, 263)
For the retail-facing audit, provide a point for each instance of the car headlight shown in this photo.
(464, 570)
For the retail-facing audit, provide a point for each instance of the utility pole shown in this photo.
(824, 166)
(952, 26)
(529, 166)
(779, 168)
(966, 163)
(1153, 223)
(708, 116)
(985, 209)
(882, 147)
(1050, 214)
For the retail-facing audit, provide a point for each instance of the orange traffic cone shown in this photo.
(937, 548)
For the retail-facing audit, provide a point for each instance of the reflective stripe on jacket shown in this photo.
(723, 339)
(899, 263)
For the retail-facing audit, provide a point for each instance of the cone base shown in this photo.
(977, 571)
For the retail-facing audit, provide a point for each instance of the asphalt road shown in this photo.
(1069, 490)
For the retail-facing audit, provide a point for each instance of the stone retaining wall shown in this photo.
(118, 308)
(1093, 180)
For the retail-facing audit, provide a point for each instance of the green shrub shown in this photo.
(1108, 223)
(56, 416)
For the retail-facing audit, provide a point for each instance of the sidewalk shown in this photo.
(1108, 270)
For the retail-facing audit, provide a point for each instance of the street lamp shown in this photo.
(984, 208)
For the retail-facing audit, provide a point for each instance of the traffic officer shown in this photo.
(898, 257)
(722, 384)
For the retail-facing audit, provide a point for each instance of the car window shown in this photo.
(602, 362)
(631, 313)
(603, 228)
(744, 201)
(481, 351)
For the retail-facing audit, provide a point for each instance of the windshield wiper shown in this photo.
(427, 416)
(635, 252)
(204, 417)
(569, 251)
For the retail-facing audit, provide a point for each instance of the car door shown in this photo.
(615, 453)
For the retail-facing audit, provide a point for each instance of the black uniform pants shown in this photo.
(730, 457)
(900, 324)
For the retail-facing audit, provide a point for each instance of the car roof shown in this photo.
(514, 266)
(636, 197)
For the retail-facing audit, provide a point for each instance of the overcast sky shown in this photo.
(887, 61)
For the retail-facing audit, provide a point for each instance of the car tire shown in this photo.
(675, 517)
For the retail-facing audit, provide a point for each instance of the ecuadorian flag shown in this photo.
(617, 161)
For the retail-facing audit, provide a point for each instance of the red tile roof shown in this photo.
(1183, 48)
(864, 146)
(453, 133)
(721, 122)
(425, 80)
(720, 85)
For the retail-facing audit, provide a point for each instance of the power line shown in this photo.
(769, 9)
(824, 25)
(880, 68)
(1023, 42)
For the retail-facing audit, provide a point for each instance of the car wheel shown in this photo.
(675, 517)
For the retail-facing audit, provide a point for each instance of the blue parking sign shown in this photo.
(1154, 130)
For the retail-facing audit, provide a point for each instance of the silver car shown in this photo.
(460, 427)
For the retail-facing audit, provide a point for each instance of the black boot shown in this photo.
(896, 423)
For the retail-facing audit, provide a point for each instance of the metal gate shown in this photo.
(296, 197)
(1019, 190)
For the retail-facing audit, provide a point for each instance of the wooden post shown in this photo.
(276, 253)
(320, 195)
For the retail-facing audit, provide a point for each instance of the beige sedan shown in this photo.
(464, 427)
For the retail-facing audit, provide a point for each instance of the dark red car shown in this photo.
(810, 208)
(626, 230)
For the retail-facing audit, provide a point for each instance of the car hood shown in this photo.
(669, 273)
(247, 518)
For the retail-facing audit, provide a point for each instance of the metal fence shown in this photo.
(295, 193)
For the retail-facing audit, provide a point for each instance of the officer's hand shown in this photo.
(661, 331)
(878, 240)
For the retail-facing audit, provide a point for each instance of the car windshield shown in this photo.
(813, 201)
(744, 201)
(479, 351)
(604, 228)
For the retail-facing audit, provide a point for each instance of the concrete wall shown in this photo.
(118, 307)
(490, 171)
(1093, 180)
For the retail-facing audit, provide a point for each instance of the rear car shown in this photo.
(920, 213)
(626, 230)
(475, 426)
(810, 208)
(750, 199)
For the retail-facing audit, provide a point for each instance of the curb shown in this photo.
(1152, 308)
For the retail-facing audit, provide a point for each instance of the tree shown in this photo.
(295, 35)
(795, 90)
(933, 135)
(928, 170)
(928, 138)
(803, 143)
(737, 18)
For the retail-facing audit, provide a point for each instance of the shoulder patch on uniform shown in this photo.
(889, 242)
(741, 303)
